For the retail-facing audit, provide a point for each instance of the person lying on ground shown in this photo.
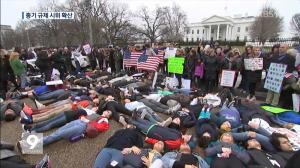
(59, 120)
(183, 158)
(159, 107)
(171, 137)
(123, 141)
(29, 116)
(143, 111)
(225, 153)
(10, 109)
(261, 158)
(146, 157)
(183, 119)
(282, 144)
(77, 129)
(115, 107)
(10, 159)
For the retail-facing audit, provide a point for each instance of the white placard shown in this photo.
(296, 102)
(172, 82)
(227, 78)
(186, 84)
(254, 64)
(56, 82)
(275, 77)
(170, 52)
(87, 49)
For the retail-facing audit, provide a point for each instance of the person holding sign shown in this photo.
(169, 53)
(282, 58)
(253, 76)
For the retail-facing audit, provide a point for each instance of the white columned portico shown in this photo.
(218, 32)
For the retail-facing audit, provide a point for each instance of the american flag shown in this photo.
(160, 53)
(149, 63)
(130, 58)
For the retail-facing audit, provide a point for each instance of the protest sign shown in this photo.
(254, 64)
(186, 84)
(87, 49)
(275, 77)
(296, 102)
(175, 65)
(227, 78)
(171, 82)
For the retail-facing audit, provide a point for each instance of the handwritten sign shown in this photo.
(254, 64)
(275, 77)
(175, 65)
(227, 78)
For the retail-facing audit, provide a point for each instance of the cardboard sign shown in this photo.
(275, 77)
(170, 52)
(56, 82)
(175, 65)
(227, 78)
(296, 102)
(254, 64)
(87, 49)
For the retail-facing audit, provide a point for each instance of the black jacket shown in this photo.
(260, 158)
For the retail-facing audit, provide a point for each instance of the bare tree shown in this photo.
(295, 24)
(267, 25)
(151, 25)
(175, 21)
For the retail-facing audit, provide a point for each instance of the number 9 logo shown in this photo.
(32, 140)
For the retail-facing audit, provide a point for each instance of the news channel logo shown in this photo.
(31, 143)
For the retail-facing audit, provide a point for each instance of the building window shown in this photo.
(245, 38)
(192, 31)
(246, 29)
(187, 31)
(203, 31)
(192, 39)
(237, 38)
(212, 30)
(238, 29)
(197, 39)
(187, 39)
(198, 31)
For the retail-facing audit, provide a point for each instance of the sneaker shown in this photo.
(44, 163)
(166, 123)
(39, 105)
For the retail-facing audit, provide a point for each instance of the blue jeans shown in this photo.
(106, 156)
(54, 122)
(150, 114)
(50, 95)
(74, 128)
(23, 78)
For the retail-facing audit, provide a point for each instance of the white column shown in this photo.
(218, 32)
(209, 33)
(226, 33)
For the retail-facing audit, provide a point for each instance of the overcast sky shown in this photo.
(196, 10)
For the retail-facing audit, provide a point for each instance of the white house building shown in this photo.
(220, 28)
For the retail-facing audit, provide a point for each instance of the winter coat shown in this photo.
(210, 66)
(17, 66)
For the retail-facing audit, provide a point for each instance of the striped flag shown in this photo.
(130, 58)
(149, 63)
(160, 53)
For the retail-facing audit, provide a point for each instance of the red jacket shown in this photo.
(101, 124)
(171, 144)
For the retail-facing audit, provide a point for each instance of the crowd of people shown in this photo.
(162, 126)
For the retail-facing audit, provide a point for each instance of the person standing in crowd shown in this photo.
(189, 66)
(68, 62)
(282, 58)
(100, 58)
(111, 59)
(244, 83)
(169, 53)
(230, 63)
(59, 62)
(220, 57)
(253, 76)
(180, 54)
(23, 55)
(118, 57)
(92, 58)
(18, 68)
(273, 54)
(43, 63)
(210, 69)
